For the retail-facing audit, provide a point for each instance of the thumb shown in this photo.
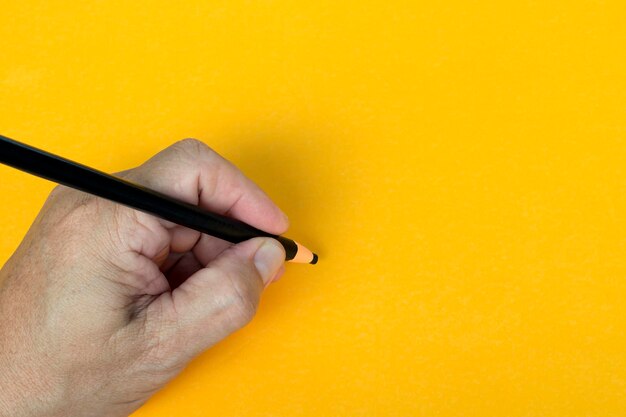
(224, 296)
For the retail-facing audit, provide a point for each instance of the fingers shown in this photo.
(208, 248)
(224, 296)
(190, 171)
(182, 268)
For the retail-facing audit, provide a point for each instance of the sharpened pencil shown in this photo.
(80, 177)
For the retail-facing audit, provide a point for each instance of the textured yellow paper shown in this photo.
(459, 166)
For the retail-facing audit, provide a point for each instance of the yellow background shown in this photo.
(459, 166)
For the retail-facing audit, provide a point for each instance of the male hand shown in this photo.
(101, 305)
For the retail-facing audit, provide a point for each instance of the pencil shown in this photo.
(80, 177)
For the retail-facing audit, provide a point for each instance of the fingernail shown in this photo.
(268, 259)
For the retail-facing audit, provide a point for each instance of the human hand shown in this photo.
(101, 305)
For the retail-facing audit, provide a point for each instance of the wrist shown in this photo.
(24, 391)
(25, 387)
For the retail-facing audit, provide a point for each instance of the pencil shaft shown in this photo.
(89, 180)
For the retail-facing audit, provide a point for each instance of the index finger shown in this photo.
(192, 172)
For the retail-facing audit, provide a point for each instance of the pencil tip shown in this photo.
(304, 256)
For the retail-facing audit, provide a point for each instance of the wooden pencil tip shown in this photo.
(304, 256)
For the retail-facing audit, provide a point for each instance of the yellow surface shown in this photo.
(459, 166)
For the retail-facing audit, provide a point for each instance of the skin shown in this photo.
(102, 305)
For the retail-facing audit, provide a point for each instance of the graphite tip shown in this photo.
(314, 261)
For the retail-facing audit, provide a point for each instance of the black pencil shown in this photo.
(92, 181)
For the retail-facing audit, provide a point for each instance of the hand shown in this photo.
(101, 305)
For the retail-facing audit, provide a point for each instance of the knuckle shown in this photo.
(191, 145)
(130, 174)
(57, 191)
(62, 197)
(79, 220)
(68, 207)
(194, 149)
